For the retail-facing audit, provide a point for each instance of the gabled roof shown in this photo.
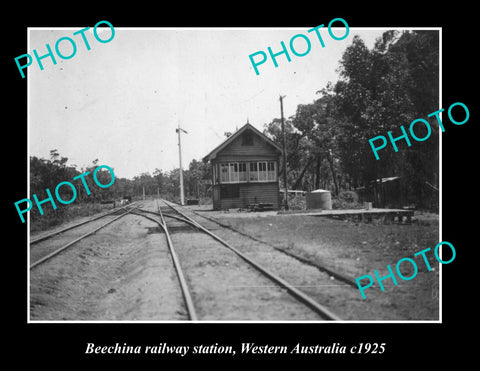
(236, 135)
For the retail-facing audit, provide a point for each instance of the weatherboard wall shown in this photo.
(247, 145)
(237, 151)
(248, 193)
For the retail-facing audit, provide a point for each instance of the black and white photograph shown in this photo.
(235, 196)
(240, 190)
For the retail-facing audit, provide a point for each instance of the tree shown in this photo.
(159, 180)
(318, 125)
(381, 90)
(296, 148)
(196, 178)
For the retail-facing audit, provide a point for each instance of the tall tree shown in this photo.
(381, 90)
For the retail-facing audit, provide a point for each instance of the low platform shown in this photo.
(389, 215)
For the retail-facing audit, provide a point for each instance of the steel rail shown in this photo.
(192, 313)
(321, 268)
(313, 304)
(167, 215)
(43, 238)
(185, 289)
(56, 252)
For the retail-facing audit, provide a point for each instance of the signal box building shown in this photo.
(245, 171)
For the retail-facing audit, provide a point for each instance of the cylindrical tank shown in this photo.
(319, 199)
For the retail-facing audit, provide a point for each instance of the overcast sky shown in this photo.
(121, 101)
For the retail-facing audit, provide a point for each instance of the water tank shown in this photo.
(319, 199)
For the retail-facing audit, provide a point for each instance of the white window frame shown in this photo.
(262, 176)
(245, 172)
(273, 172)
(222, 173)
(262, 173)
(265, 176)
(233, 176)
(250, 171)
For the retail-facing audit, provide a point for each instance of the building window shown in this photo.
(263, 171)
(271, 173)
(233, 172)
(224, 176)
(259, 171)
(242, 172)
(253, 177)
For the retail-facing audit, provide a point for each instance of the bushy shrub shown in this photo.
(62, 214)
(346, 200)
(297, 202)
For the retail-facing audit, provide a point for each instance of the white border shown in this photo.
(440, 320)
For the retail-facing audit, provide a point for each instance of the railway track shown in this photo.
(171, 212)
(117, 214)
(336, 275)
(197, 296)
(192, 314)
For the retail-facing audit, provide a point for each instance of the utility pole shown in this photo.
(143, 193)
(178, 130)
(285, 195)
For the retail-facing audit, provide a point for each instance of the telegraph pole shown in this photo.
(178, 130)
(285, 195)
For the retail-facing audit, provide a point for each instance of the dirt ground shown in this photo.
(125, 272)
(352, 249)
